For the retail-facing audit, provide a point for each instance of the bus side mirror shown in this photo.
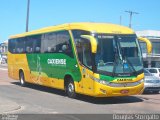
(92, 41)
(148, 43)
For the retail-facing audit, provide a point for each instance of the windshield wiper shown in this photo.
(128, 61)
(114, 67)
(117, 56)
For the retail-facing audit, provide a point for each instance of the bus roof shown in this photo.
(88, 26)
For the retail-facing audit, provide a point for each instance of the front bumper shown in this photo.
(107, 91)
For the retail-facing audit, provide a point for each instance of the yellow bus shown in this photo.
(95, 59)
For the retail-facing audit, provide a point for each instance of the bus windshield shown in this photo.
(118, 55)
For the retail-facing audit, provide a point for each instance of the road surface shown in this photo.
(35, 99)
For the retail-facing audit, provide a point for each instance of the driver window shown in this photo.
(83, 47)
(84, 52)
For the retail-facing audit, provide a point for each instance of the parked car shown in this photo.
(152, 83)
(154, 71)
(3, 60)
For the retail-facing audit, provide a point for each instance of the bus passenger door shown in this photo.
(87, 82)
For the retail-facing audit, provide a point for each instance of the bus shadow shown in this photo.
(110, 100)
(84, 98)
(42, 88)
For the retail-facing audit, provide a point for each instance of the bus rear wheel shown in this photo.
(22, 79)
(70, 89)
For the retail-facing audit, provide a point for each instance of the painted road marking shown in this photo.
(3, 69)
(5, 83)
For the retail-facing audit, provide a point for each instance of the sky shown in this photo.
(45, 13)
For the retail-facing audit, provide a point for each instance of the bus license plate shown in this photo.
(124, 91)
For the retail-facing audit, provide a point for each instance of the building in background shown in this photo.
(153, 59)
(3, 51)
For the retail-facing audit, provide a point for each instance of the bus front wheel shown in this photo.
(70, 89)
(22, 79)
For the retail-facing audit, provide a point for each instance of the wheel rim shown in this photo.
(22, 80)
(70, 88)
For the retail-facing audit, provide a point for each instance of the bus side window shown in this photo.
(48, 42)
(28, 49)
(19, 45)
(53, 49)
(37, 49)
(18, 50)
(14, 50)
(49, 49)
(56, 42)
(64, 43)
(33, 44)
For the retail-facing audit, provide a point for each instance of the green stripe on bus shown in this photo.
(54, 65)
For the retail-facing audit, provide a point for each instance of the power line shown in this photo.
(131, 14)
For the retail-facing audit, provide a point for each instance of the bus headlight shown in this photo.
(141, 81)
(104, 82)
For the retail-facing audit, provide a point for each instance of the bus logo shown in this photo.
(56, 61)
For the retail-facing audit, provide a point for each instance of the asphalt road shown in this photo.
(35, 99)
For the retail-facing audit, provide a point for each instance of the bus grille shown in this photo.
(123, 84)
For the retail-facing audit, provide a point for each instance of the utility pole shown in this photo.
(27, 18)
(120, 20)
(131, 14)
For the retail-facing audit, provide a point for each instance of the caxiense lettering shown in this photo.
(57, 61)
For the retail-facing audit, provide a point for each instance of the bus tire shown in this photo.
(70, 89)
(22, 79)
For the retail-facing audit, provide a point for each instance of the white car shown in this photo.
(154, 71)
(151, 83)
